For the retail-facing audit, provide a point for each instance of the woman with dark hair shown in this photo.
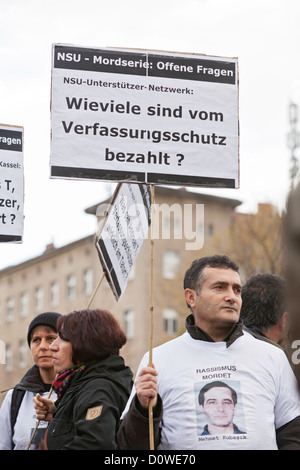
(92, 383)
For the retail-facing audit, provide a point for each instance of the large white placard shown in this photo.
(11, 184)
(124, 230)
(144, 116)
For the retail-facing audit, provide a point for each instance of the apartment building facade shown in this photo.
(64, 279)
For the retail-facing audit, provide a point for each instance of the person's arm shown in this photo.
(288, 436)
(5, 426)
(287, 405)
(133, 433)
(95, 417)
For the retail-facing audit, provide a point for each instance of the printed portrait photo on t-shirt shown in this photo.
(219, 408)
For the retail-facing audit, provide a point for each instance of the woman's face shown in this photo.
(41, 339)
(62, 354)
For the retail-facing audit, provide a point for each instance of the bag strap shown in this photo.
(16, 400)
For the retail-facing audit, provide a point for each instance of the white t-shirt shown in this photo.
(259, 373)
(25, 423)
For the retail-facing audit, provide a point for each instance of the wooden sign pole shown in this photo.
(150, 409)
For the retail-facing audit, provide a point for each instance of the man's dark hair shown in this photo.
(193, 278)
(263, 300)
(215, 384)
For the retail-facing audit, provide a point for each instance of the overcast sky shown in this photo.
(263, 34)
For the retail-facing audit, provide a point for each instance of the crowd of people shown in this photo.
(226, 383)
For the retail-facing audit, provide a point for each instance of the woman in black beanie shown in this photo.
(92, 383)
(17, 414)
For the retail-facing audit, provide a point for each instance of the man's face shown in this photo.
(219, 408)
(218, 303)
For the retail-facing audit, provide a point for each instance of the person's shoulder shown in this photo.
(7, 398)
(264, 344)
(167, 350)
(172, 343)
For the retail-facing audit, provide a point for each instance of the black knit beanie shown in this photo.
(47, 319)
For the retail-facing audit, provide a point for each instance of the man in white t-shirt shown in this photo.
(214, 348)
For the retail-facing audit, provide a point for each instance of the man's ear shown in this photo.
(190, 297)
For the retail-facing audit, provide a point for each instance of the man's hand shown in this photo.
(146, 386)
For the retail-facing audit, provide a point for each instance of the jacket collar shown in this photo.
(32, 381)
(199, 334)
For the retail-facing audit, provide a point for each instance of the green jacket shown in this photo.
(87, 417)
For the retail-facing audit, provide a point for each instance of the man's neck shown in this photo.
(218, 333)
(273, 334)
(199, 334)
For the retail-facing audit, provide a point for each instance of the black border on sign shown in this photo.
(158, 178)
(91, 173)
(10, 238)
(82, 58)
(13, 134)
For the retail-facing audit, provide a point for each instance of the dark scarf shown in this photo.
(62, 380)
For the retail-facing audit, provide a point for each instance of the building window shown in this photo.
(129, 323)
(8, 358)
(171, 260)
(210, 230)
(54, 294)
(22, 354)
(24, 304)
(10, 306)
(39, 299)
(170, 319)
(2, 352)
(71, 287)
(88, 281)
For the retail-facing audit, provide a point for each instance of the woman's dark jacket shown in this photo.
(87, 416)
